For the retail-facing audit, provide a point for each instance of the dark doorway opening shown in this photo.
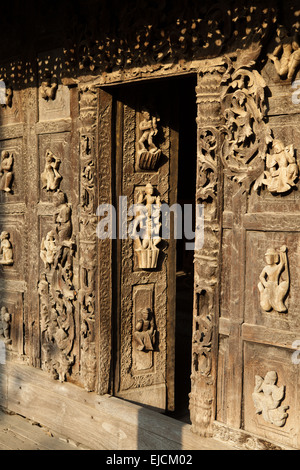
(186, 190)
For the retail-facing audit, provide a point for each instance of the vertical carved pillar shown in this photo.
(87, 239)
(206, 260)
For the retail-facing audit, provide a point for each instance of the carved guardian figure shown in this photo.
(272, 288)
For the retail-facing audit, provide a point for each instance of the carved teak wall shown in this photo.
(97, 312)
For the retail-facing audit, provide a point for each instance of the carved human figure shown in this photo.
(267, 397)
(49, 88)
(151, 213)
(6, 250)
(148, 126)
(48, 248)
(6, 94)
(286, 55)
(5, 320)
(272, 289)
(50, 177)
(147, 221)
(62, 217)
(6, 174)
(144, 334)
(282, 170)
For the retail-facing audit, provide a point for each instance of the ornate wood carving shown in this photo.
(6, 249)
(273, 289)
(208, 187)
(57, 292)
(48, 88)
(282, 169)
(146, 228)
(5, 325)
(267, 398)
(6, 94)
(88, 241)
(246, 134)
(149, 154)
(286, 55)
(50, 177)
(6, 171)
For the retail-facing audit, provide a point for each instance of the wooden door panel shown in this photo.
(142, 361)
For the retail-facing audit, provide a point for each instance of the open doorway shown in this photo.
(186, 190)
(165, 383)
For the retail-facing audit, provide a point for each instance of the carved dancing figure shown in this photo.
(48, 249)
(148, 126)
(6, 251)
(273, 292)
(267, 397)
(149, 153)
(6, 174)
(50, 177)
(286, 56)
(282, 170)
(144, 334)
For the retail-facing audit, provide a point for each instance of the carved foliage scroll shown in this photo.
(246, 134)
(206, 260)
(88, 245)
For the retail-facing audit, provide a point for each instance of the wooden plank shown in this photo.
(265, 335)
(97, 422)
(272, 222)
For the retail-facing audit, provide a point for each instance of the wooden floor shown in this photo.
(18, 433)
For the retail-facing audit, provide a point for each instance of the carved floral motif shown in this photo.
(246, 134)
(88, 246)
